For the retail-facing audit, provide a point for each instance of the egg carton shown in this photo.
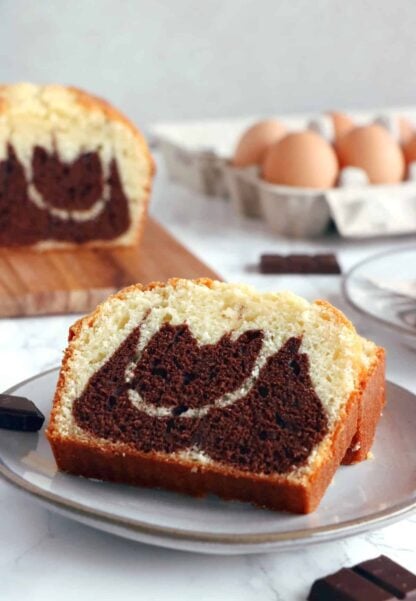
(195, 152)
(197, 156)
(356, 211)
(198, 170)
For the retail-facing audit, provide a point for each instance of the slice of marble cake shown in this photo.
(206, 387)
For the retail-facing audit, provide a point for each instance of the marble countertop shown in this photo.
(43, 555)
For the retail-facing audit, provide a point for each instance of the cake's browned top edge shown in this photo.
(91, 102)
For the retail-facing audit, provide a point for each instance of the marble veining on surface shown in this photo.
(44, 556)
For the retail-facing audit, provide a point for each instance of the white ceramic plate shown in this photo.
(369, 495)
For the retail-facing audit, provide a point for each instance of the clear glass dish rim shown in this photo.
(346, 280)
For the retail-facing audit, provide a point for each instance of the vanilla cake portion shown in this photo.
(73, 170)
(202, 386)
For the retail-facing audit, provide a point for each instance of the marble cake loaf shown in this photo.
(207, 387)
(73, 170)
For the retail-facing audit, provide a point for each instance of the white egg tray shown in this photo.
(196, 155)
(357, 212)
(198, 170)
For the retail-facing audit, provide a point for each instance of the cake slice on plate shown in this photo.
(207, 387)
(73, 170)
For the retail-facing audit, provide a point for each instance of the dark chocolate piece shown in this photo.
(389, 575)
(379, 579)
(298, 263)
(273, 427)
(346, 585)
(18, 413)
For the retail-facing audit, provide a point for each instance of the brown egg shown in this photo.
(342, 123)
(374, 150)
(406, 130)
(254, 143)
(409, 150)
(302, 159)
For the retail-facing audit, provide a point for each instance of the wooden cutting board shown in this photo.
(45, 283)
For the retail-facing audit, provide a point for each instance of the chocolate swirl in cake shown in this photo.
(69, 202)
(217, 399)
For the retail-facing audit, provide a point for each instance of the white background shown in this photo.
(178, 59)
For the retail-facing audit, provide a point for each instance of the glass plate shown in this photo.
(376, 287)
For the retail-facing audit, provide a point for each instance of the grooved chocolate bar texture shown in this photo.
(379, 579)
(390, 575)
(298, 263)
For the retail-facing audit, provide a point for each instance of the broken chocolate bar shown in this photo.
(379, 579)
(388, 574)
(325, 264)
(19, 413)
